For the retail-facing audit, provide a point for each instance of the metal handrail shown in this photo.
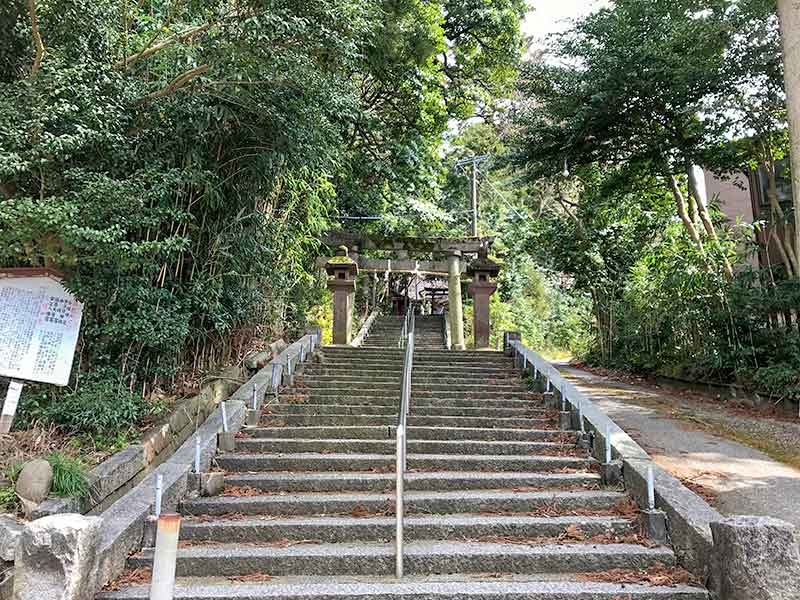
(400, 454)
(407, 322)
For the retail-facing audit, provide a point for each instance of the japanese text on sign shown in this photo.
(39, 325)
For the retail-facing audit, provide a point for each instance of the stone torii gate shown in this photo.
(455, 257)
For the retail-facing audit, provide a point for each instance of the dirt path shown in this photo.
(740, 479)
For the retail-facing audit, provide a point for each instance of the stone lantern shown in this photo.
(342, 271)
(483, 271)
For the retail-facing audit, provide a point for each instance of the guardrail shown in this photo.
(363, 333)
(400, 452)
(688, 515)
(408, 323)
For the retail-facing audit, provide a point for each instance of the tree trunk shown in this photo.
(789, 12)
(705, 218)
(782, 239)
(680, 202)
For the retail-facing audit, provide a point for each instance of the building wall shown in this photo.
(735, 199)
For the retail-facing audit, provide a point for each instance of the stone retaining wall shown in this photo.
(119, 473)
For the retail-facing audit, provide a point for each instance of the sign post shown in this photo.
(39, 325)
(10, 405)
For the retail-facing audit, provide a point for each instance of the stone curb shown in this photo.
(689, 516)
(124, 469)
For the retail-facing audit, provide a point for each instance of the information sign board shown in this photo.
(39, 325)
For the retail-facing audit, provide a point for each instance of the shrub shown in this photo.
(101, 405)
(8, 499)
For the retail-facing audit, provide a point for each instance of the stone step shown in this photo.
(391, 401)
(396, 369)
(342, 393)
(292, 396)
(421, 558)
(337, 530)
(452, 388)
(309, 461)
(418, 335)
(423, 356)
(414, 433)
(361, 446)
(287, 482)
(382, 376)
(327, 407)
(416, 502)
(454, 587)
(345, 420)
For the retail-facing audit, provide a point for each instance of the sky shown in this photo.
(549, 16)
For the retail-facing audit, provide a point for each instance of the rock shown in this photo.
(57, 558)
(34, 483)
(756, 558)
(6, 582)
(10, 531)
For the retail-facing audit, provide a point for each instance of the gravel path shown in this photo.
(741, 479)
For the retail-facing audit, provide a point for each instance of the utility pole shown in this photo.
(473, 161)
(789, 12)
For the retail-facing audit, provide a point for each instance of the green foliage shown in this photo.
(619, 100)
(8, 499)
(102, 405)
(177, 162)
(69, 477)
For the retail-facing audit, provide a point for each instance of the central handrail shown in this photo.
(402, 418)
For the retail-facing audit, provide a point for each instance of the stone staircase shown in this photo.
(501, 505)
(385, 333)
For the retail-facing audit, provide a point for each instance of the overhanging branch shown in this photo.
(179, 82)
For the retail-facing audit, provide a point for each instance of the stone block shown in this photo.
(34, 484)
(6, 581)
(611, 473)
(10, 532)
(149, 532)
(689, 516)
(226, 441)
(549, 400)
(756, 558)
(565, 420)
(584, 440)
(212, 484)
(654, 525)
(252, 417)
(57, 558)
(193, 482)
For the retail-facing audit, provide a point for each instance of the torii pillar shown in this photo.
(481, 289)
(342, 271)
(454, 301)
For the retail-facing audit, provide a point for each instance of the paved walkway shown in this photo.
(742, 479)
